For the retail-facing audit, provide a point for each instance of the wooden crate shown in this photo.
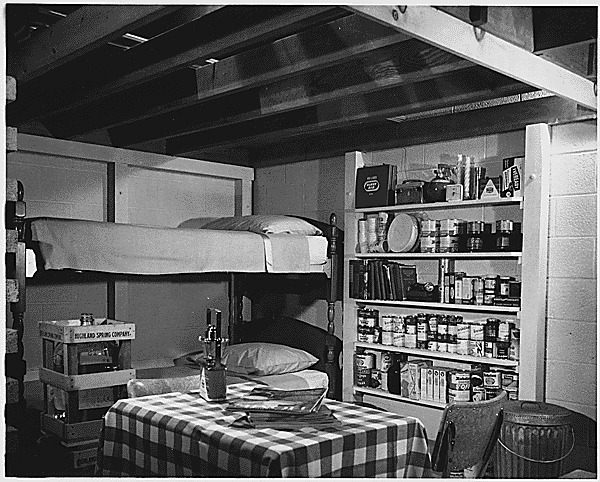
(83, 398)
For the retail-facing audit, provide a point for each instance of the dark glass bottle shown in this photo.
(393, 378)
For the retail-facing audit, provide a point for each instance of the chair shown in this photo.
(139, 387)
(467, 436)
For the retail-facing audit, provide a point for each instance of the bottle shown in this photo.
(442, 333)
(422, 331)
(393, 376)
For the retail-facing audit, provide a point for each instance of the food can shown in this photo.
(503, 350)
(490, 349)
(459, 388)
(449, 244)
(475, 348)
(387, 322)
(503, 286)
(490, 282)
(503, 331)
(375, 381)
(442, 346)
(478, 394)
(399, 324)
(478, 291)
(387, 338)
(410, 340)
(429, 227)
(432, 345)
(365, 360)
(477, 331)
(429, 243)
(367, 317)
(462, 347)
(492, 379)
(386, 361)
(463, 331)
(398, 338)
(449, 227)
(363, 377)
(366, 335)
(467, 290)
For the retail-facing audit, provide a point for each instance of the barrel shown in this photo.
(534, 440)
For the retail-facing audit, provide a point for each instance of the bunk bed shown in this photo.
(240, 246)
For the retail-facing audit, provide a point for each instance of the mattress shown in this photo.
(132, 249)
(288, 381)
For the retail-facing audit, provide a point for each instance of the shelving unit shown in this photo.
(528, 264)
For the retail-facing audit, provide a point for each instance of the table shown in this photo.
(180, 434)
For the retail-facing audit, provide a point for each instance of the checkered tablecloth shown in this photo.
(180, 435)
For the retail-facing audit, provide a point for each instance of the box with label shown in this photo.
(512, 177)
(375, 186)
(414, 378)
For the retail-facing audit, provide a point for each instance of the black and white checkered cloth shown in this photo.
(181, 435)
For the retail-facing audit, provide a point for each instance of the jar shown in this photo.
(86, 319)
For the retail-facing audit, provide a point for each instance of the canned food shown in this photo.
(429, 243)
(475, 348)
(492, 379)
(410, 340)
(503, 286)
(442, 346)
(448, 244)
(386, 361)
(363, 377)
(459, 387)
(478, 394)
(375, 381)
(387, 338)
(398, 339)
(478, 291)
(367, 317)
(463, 331)
(490, 282)
(430, 226)
(490, 349)
(449, 227)
(477, 331)
(387, 322)
(365, 360)
(462, 347)
(399, 324)
(503, 331)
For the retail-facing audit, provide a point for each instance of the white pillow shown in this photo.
(264, 224)
(266, 359)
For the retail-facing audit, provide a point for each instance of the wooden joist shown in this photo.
(79, 33)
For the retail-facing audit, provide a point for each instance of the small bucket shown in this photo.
(534, 440)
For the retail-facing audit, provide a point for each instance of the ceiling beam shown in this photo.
(77, 34)
(266, 30)
(492, 120)
(322, 46)
(460, 38)
(454, 88)
(368, 75)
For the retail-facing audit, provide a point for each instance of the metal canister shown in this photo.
(387, 338)
(432, 334)
(367, 317)
(534, 440)
(387, 322)
(449, 230)
(366, 334)
(478, 291)
(459, 388)
(422, 331)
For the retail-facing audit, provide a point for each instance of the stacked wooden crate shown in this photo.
(85, 370)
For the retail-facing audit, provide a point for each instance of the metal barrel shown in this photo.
(534, 440)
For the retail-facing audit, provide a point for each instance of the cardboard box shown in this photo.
(512, 177)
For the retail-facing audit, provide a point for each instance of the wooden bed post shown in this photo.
(236, 305)
(334, 387)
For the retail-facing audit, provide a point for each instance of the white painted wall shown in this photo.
(169, 312)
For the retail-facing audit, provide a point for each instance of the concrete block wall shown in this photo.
(571, 350)
(312, 189)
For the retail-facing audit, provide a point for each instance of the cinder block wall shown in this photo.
(571, 358)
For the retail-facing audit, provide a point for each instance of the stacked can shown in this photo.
(388, 323)
(410, 334)
(449, 232)
(422, 331)
(489, 289)
(364, 362)
(430, 236)
(368, 325)
(399, 331)
(463, 336)
(432, 334)
(476, 338)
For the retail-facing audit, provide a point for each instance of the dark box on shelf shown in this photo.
(375, 186)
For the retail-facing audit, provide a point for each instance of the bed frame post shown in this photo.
(334, 388)
(236, 308)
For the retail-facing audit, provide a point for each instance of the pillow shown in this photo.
(264, 224)
(266, 359)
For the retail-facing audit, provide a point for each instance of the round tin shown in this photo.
(387, 338)
(365, 360)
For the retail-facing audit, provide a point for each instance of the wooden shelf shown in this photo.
(444, 306)
(444, 205)
(382, 393)
(437, 256)
(438, 355)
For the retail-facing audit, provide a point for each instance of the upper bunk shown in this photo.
(258, 85)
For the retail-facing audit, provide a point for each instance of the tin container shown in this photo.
(535, 439)
(398, 339)
(477, 331)
(365, 360)
(459, 387)
(367, 318)
(387, 338)
(387, 322)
